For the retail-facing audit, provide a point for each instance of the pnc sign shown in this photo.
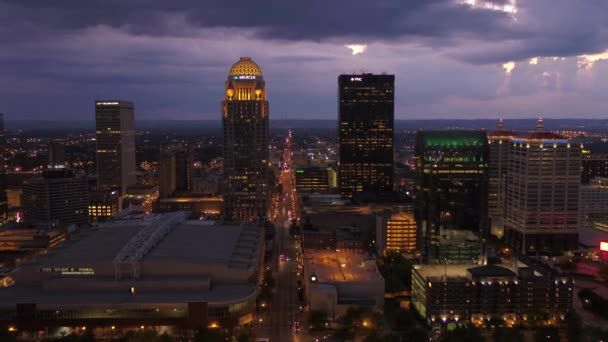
(356, 79)
(244, 77)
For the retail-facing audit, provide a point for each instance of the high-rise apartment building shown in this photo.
(245, 124)
(115, 128)
(365, 133)
(543, 183)
(498, 143)
(58, 195)
(452, 192)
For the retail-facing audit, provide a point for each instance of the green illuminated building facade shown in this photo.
(452, 190)
(315, 180)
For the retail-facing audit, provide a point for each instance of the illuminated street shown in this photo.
(285, 308)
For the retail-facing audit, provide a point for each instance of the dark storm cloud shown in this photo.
(171, 57)
(542, 27)
(279, 19)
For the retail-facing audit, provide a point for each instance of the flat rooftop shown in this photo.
(463, 271)
(191, 241)
(178, 260)
(343, 266)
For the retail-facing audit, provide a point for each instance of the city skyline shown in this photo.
(452, 59)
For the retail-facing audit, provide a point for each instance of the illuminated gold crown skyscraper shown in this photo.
(245, 124)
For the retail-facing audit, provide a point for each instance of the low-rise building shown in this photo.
(491, 295)
(396, 231)
(336, 281)
(152, 270)
(19, 239)
(316, 180)
(204, 205)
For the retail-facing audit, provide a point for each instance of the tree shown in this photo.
(416, 334)
(396, 270)
(246, 336)
(210, 335)
(507, 335)
(5, 335)
(574, 330)
(546, 334)
(398, 318)
(343, 334)
(317, 319)
(467, 333)
(374, 336)
(86, 337)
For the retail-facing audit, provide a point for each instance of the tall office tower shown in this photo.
(542, 193)
(56, 152)
(58, 195)
(166, 173)
(499, 142)
(452, 193)
(115, 129)
(365, 137)
(245, 123)
(184, 164)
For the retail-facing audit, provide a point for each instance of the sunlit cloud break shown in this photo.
(356, 48)
(509, 7)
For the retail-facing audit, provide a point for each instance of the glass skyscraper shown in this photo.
(365, 133)
(452, 193)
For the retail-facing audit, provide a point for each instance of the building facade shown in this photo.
(115, 134)
(543, 193)
(594, 165)
(593, 202)
(58, 195)
(491, 295)
(365, 133)
(452, 188)
(498, 144)
(103, 204)
(396, 230)
(245, 125)
(315, 179)
(166, 174)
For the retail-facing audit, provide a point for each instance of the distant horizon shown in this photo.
(92, 120)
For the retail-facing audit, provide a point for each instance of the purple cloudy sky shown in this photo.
(451, 58)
